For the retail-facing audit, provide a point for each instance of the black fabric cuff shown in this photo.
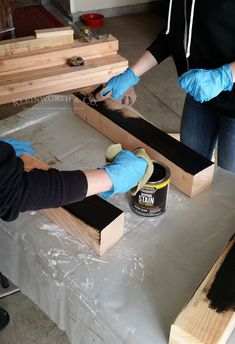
(159, 48)
(52, 188)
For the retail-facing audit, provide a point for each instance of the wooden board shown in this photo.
(93, 221)
(190, 172)
(31, 43)
(198, 323)
(54, 32)
(36, 60)
(60, 78)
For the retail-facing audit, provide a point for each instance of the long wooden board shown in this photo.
(198, 323)
(32, 43)
(93, 221)
(60, 78)
(36, 60)
(190, 172)
(54, 32)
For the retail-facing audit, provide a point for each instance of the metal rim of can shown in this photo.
(85, 29)
(162, 182)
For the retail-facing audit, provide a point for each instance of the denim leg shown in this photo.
(199, 127)
(226, 143)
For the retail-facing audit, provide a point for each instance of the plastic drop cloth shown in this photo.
(133, 293)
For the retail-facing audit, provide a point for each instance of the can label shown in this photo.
(151, 200)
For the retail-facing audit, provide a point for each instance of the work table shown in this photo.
(132, 293)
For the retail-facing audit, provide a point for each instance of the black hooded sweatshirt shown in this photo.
(35, 190)
(212, 41)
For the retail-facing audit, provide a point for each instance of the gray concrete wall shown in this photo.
(74, 8)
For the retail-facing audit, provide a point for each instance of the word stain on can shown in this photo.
(151, 199)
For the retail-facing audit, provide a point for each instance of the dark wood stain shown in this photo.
(175, 151)
(94, 211)
(222, 291)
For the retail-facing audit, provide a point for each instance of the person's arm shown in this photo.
(146, 62)
(159, 48)
(98, 181)
(40, 189)
(118, 85)
(37, 189)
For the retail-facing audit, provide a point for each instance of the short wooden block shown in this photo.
(28, 44)
(190, 172)
(93, 221)
(198, 323)
(54, 32)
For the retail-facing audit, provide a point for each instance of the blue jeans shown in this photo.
(202, 127)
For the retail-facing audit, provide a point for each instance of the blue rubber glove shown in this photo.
(119, 84)
(125, 172)
(203, 84)
(20, 146)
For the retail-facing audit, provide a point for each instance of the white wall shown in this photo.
(88, 5)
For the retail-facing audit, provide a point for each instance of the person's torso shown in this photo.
(212, 38)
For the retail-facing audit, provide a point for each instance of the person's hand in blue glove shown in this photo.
(19, 146)
(203, 84)
(119, 84)
(125, 172)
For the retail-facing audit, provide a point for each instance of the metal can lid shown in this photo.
(85, 29)
(160, 173)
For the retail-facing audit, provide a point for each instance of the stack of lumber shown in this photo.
(93, 221)
(198, 323)
(37, 66)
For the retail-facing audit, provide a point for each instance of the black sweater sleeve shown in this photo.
(159, 47)
(37, 189)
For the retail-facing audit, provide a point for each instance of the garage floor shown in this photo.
(160, 100)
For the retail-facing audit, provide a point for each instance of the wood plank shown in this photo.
(63, 85)
(52, 57)
(93, 221)
(175, 136)
(190, 172)
(91, 67)
(28, 44)
(54, 32)
(198, 323)
(63, 79)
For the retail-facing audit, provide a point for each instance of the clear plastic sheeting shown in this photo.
(132, 293)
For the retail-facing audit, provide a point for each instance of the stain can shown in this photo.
(151, 199)
(85, 34)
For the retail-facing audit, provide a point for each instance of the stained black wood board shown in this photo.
(222, 291)
(94, 211)
(184, 157)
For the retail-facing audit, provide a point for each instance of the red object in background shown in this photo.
(93, 19)
(29, 18)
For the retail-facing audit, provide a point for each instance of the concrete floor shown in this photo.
(159, 100)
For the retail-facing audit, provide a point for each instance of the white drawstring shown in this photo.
(169, 18)
(185, 26)
(190, 25)
(190, 29)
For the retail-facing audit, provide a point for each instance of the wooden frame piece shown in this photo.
(190, 172)
(47, 39)
(60, 78)
(57, 56)
(54, 32)
(93, 221)
(198, 323)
